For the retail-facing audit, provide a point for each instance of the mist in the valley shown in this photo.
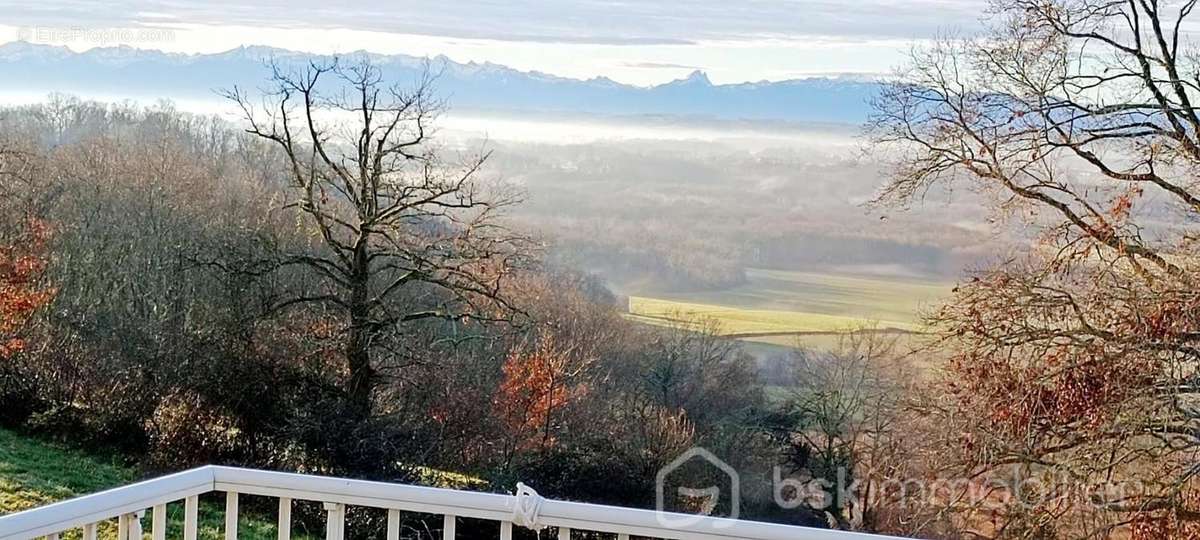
(656, 205)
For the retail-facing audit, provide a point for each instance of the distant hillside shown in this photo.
(140, 74)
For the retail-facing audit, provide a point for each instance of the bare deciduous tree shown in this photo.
(1077, 359)
(394, 219)
(841, 421)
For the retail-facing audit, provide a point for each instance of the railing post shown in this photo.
(231, 515)
(335, 526)
(393, 529)
(158, 529)
(191, 511)
(448, 523)
(285, 518)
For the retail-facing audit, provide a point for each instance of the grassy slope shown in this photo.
(34, 473)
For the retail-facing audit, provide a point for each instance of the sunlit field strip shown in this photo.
(740, 322)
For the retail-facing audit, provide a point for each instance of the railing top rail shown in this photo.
(554, 513)
(582, 516)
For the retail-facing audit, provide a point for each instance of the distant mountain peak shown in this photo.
(255, 52)
(695, 78)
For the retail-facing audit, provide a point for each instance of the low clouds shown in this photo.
(604, 22)
(659, 65)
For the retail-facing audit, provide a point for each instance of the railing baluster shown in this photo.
(448, 522)
(335, 525)
(89, 531)
(158, 529)
(123, 527)
(191, 511)
(52, 536)
(505, 530)
(231, 515)
(285, 518)
(564, 533)
(623, 536)
(393, 530)
(135, 525)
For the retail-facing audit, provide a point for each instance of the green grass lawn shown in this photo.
(34, 473)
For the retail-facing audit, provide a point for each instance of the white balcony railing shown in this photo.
(127, 505)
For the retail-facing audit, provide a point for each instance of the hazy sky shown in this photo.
(635, 41)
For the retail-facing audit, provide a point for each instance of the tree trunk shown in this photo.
(358, 344)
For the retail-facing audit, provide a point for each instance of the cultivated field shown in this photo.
(782, 307)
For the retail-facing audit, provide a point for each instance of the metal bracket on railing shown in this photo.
(526, 505)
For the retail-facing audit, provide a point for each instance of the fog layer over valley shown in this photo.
(656, 206)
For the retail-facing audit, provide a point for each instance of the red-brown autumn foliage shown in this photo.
(1074, 377)
(21, 266)
(538, 383)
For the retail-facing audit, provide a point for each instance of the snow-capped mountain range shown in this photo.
(146, 75)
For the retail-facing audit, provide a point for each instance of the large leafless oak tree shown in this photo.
(404, 234)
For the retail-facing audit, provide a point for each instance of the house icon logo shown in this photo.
(707, 498)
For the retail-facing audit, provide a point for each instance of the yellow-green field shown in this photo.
(741, 321)
(782, 307)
